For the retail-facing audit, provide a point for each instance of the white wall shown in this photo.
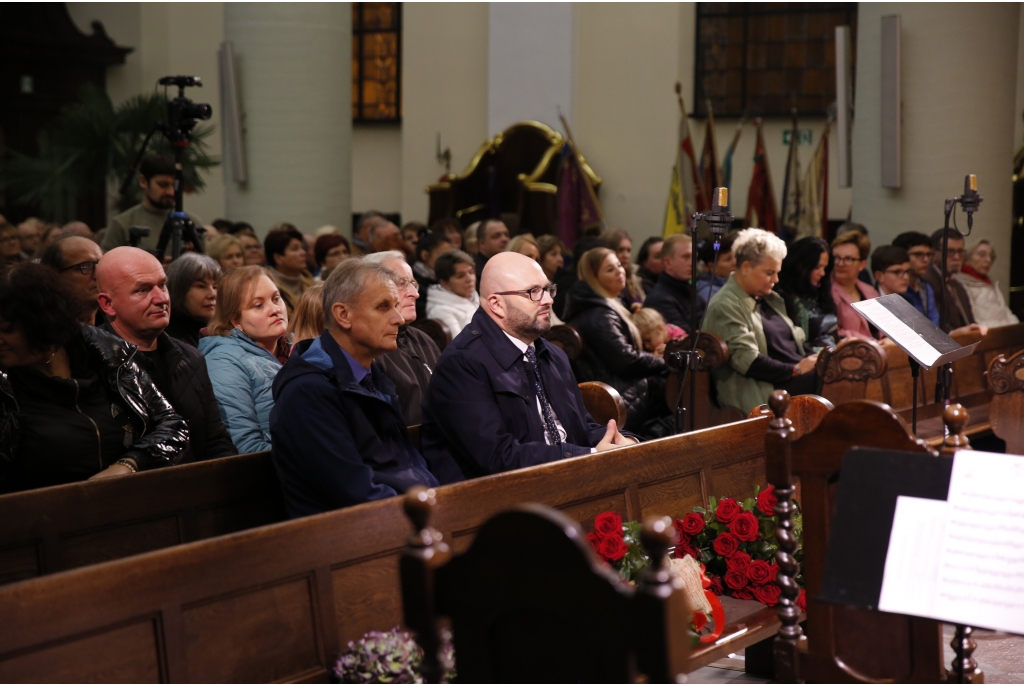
(530, 63)
(293, 65)
(377, 169)
(444, 90)
(168, 39)
(958, 61)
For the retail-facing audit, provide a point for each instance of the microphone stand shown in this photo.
(718, 220)
(970, 201)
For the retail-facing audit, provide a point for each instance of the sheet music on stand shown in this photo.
(912, 331)
(933, 539)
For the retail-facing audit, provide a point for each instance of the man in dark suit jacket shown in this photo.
(502, 397)
(337, 431)
(671, 295)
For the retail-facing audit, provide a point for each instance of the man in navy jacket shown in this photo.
(488, 409)
(337, 431)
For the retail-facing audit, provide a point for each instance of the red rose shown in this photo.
(594, 540)
(612, 548)
(716, 585)
(767, 594)
(693, 551)
(738, 562)
(726, 544)
(727, 510)
(693, 524)
(775, 572)
(766, 501)
(801, 600)
(759, 572)
(699, 621)
(608, 523)
(735, 580)
(745, 593)
(745, 526)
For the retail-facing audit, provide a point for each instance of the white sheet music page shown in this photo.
(902, 334)
(912, 562)
(981, 571)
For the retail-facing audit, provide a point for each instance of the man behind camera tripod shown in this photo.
(156, 178)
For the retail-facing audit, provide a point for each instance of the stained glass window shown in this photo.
(766, 59)
(376, 61)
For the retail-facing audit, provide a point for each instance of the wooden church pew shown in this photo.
(841, 644)
(1006, 412)
(67, 526)
(58, 528)
(714, 354)
(279, 602)
(845, 371)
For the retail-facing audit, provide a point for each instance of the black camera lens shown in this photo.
(197, 110)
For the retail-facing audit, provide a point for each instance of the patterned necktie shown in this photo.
(367, 384)
(549, 416)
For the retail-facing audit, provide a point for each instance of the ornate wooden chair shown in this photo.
(515, 175)
(1005, 379)
(842, 644)
(531, 602)
(714, 354)
(845, 370)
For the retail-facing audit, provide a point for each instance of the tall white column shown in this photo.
(294, 70)
(959, 70)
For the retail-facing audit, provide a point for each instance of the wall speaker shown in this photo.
(844, 105)
(891, 104)
(231, 117)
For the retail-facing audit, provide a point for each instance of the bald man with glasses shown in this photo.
(502, 397)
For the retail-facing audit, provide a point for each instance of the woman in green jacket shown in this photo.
(766, 350)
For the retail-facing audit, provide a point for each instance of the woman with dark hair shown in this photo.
(330, 250)
(613, 350)
(451, 229)
(73, 403)
(192, 284)
(618, 241)
(286, 261)
(809, 303)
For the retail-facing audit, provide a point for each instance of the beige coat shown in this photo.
(987, 301)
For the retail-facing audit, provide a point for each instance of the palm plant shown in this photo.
(92, 143)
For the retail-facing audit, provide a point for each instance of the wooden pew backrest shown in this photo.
(1006, 411)
(67, 526)
(845, 371)
(279, 602)
(842, 644)
(604, 403)
(714, 354)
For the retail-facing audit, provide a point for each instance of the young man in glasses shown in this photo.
(950, 297)
(75, 259)
(919, 292)
(890, 266)
(502, 397)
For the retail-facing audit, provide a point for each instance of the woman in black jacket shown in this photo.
(613, 351)
(73, 404)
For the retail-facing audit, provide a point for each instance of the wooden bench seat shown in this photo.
(279, 602)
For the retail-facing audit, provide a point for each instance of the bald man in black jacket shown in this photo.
(502, 397)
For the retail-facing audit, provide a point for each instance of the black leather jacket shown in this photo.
(608, 352)
(164, 435)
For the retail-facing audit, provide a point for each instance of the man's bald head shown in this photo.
(133, 294)
(516, 313)
(510, 271)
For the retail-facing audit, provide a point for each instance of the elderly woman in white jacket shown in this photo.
(986, 300)
(455, 300)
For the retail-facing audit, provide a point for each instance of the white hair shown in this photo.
(381, 257)
(754, 244)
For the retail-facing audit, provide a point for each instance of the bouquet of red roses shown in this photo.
(736, 542)
(618, 543)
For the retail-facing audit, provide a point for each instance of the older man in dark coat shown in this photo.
(502, 397)
(337, 430)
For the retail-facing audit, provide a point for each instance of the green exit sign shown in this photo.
(803, 136)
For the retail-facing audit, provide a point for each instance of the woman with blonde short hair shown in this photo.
(766, 349)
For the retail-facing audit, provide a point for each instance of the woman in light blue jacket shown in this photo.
(244, 352)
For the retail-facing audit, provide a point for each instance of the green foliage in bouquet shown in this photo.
(389, 657)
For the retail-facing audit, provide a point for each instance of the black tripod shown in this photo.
(182, 117)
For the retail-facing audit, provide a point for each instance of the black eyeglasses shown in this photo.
(87, 268)
(535, 294)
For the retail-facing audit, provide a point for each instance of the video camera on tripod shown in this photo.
(182, 116)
